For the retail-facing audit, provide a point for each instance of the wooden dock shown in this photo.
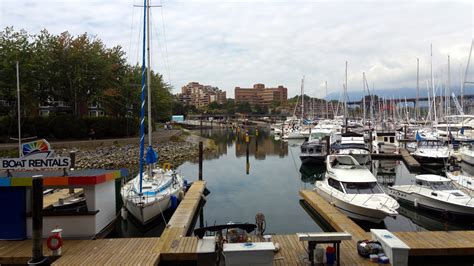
(426, 243)
(409, 161)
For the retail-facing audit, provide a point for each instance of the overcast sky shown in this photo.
(239, 43)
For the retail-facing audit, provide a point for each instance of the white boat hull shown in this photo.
(147, 213)
(467, 156)
(422, 201)
(354, 211)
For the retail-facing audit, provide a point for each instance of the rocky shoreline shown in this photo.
(176, 151)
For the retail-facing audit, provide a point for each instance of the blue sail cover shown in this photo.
(151, 155)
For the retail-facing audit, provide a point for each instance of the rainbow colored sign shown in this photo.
(35, 155)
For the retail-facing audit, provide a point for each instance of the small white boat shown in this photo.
(156, 193)
(354, 190)
(467, 153)
(354, 144)
(432, 153)
(462, 180)
(387, 142)
(435, 193)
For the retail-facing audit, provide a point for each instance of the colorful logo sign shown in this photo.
(35, 155)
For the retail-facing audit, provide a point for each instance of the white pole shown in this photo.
(363, 98)
(465, 76)
(417, 112)
(18, 99)
(327, 111)
(448, 89)
(345, 99)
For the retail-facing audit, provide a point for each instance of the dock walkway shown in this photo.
(426, 243)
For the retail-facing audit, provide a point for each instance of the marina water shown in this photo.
(265, 175)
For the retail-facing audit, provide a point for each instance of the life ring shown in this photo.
(57, 245)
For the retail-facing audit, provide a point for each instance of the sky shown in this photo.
(239, 43)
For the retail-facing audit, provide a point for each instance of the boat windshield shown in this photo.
(442, 185)
(318, 135)
(362, 188)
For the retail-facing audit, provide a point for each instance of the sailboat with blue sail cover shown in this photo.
(149, 194)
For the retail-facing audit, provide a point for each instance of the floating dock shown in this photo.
(426, 243)
(173, 245)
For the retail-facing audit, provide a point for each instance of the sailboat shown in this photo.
(151, 192)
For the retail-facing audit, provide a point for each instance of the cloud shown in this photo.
(239, 43)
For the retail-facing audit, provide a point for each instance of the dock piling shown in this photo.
(328, 146)
(200, 159)
(37, 222)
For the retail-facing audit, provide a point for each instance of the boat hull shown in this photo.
(467, 158)
(145, 213)
(430, 161)
(421, 201)
(353, 211)
(313, 159)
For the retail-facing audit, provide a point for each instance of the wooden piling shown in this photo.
(37, 221)
(200, 159)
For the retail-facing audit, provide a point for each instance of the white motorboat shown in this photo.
(467, 153)
(432, 153)
(314, 150)
(156, 193)
(354, 190)
(462, 180)
(435, 193)
(354, 144)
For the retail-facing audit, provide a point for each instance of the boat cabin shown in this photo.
(435, 182)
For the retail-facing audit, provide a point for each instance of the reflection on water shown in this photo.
(264, 175)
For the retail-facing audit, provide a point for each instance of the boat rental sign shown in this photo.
(35, 155)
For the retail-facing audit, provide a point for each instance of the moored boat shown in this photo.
(354, 190)
(435, 193)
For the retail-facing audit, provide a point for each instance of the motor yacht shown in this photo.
(354, 144)
(432, 153)
(467, 153)
(315, 149)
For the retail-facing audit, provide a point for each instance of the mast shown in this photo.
(345, 99)
(18, 99)
(327, 112)
(363, 98)
(432, 87)
(465, 76)
(142, 98)
(417, 108)
(302, 99)
(448, 90)
(148, 72)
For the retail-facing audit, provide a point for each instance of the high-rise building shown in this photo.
(261, 95)
(201, 95)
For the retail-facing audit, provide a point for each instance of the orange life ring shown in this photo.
(59, 242)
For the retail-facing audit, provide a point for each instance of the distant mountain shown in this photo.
(395, 93)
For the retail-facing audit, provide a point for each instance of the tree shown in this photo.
(243, 107)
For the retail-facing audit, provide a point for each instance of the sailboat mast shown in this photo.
(18, 99)
(417, 108)
(363, 98)
(148, 72)
(448, 89)
(302, 100)
(142, 98)
(345, 99)
(465, 76)
(432, 87)
(327, 110)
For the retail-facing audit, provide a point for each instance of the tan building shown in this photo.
(261, 95)
(201, 95)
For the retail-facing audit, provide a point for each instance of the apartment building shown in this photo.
(261, 95)
(201, 95)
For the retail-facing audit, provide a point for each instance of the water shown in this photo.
(267, 177)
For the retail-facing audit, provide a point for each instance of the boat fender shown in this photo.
(124, 213)
(415, 202)
(174, 202)
(56, 244)
(181, 195)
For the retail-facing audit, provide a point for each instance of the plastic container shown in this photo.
(319, 255)
(330, 256)
(384, 260)
(267, 238)
(374, 257)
